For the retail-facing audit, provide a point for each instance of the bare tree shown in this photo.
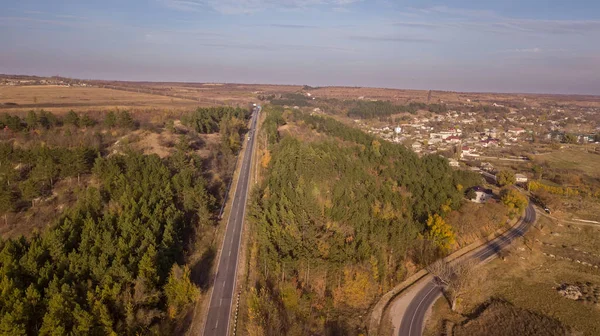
(454, 278)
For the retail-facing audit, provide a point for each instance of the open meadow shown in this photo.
(519, 290)
(577, 158)
(62, 98)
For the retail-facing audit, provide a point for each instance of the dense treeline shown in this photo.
(208, 119)
(421, 176)
(335, 223)
(47, 120)
(109, 260)
(490, 109)
(228, 121)
(382, 109)
(363, 109)
(272, 121)
(292, 99)
(26, 174)
(109, 264)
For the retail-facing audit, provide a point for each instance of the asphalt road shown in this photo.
(414, 317)
(222, 298)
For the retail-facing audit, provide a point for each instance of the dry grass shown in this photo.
(574, 158)
(143, 95)
(45, 210)
(528, 280)
(509, 320)
(60, 99)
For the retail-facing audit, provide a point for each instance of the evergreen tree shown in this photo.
(31, 120)
(110, 120)
(87, 121)
(72, 119)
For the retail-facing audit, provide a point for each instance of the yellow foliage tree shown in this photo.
(254, 327)
(266, 159)
(564, 191)
(179, 290)
(514, 200)
(376, 146)
(357, 290)
(446, 206)
(440, 232)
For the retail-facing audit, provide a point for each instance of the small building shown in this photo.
(516, 131)
(453, 163)
(521, 178)
(488, 167)
(490, 143)
(453, 139)
(482, 195)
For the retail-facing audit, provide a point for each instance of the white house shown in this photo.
(454, 139)
(482, 195)
(516, 131)
(521, 178)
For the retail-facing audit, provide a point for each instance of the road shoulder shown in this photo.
(411, 286)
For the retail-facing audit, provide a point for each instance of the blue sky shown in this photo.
(465, 45)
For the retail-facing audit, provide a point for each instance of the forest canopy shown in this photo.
(110, 264)
(339, 218)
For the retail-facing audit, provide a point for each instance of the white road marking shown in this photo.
(217, 324)
(240, 194)
(417, 309)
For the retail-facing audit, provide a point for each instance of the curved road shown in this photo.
(414, 317)
(221, 300)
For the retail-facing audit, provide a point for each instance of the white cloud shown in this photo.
(251, 6)
(442, 17)
(524, 51)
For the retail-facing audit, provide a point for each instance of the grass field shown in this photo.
(575, 158)
(528, 278)
(60, 98)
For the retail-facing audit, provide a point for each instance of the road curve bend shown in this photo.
(414, 317)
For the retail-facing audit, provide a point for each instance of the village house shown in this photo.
(482, 195)
(521, 178)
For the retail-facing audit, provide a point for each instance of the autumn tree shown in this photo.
(453, 277)
(570, 138)
(506, 178)
(514, 200)
(357, 289)
(266, 159)
(179, 290)
(440, 232)
(538, 171)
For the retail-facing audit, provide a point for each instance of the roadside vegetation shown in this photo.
(545, 284)
(340, 218)
(117, 255)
